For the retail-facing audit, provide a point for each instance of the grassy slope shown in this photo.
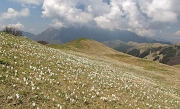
(155, 48)
(145, 46)
(135, 45)
(32, 75)
(178, 66)
(88, 46)
(98, 50)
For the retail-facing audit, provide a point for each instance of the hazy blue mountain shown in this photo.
(28, 34)
(71, 33)
(48, 35)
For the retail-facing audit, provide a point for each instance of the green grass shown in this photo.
(178, 66)
(56, 46)
(3, 62)
(37, 76)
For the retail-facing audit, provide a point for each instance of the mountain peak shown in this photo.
(48, 35)
(50, 28)
(71, 33)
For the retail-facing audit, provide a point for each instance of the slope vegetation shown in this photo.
(89, 46)
(37, 76)
(169, 55)
(163, 53)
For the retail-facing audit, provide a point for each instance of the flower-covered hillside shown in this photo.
(36, 76)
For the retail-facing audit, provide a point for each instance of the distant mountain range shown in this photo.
(28, 34)
(123, 41)
(64, 35)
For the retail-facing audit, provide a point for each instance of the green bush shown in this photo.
(13, 31)
(156, 58)
(167, 50)
(134, 52)
(145, 53)
(4, 62)
(122, 47)
(155, 49)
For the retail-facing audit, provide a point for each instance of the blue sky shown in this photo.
(32, 22)
(152, 18)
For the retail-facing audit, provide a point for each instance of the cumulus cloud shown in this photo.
(17, 25)
(133, 15)
(161, 11)
(104, 23)
(140, 16)
(66, 11)
(177, 33)
(12, 14)
(145, 32)
(74, 11)
(35, 2)
(56, 23)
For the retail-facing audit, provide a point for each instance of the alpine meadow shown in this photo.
(82, 74)
(89, 54)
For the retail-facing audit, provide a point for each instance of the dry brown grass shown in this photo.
(89, 46)
(145, 46)
(159, 71)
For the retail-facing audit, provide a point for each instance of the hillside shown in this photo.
(37, 76)
(169, 55)
(178, 66)
(163, 53)
(128, 46)
(88, 46)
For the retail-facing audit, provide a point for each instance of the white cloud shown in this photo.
(177, 33)
(35, 2)
(141, 16)
(145, 32)
(159, 10)
(165, 16)
(12, 14)
(133, 15)
(17, 25)
(27, 6)
(56, 23)
(66, 11)
(104, 23)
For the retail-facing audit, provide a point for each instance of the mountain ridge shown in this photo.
(28, 34)
(48, 35)
(71, 33)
